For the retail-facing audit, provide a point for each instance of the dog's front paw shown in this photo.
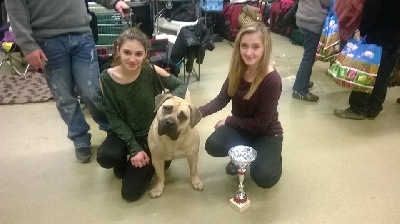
(197, 183)
(157, 190)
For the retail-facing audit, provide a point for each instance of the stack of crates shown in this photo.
(109, 25)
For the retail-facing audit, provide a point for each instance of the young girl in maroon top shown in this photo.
(254, 87)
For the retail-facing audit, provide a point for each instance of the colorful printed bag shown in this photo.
(357, 65)
(329, 40)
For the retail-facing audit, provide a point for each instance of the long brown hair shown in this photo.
(238, 67)
(133, 33)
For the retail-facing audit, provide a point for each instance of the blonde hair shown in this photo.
(133, 33)
(238, 67)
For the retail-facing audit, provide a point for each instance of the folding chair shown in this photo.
(158, 54)
(9, 47)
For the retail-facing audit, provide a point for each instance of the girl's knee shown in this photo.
(107, 160)
(103, 161)
(131, 195)
(266, 180)
(213, 147)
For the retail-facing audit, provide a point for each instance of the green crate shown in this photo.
(107, 29)
(107, 39)
(108, 16)
(109, 22)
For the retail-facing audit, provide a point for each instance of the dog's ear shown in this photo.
(195, 116)
(160, 99)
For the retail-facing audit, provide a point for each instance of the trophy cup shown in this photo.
(241, 156)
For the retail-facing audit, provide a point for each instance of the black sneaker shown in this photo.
(83, 155)
(231, 169)
(308, 97)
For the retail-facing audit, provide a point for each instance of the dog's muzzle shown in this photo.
(168, 127)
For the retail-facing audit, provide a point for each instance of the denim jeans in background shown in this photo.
(72, 67)
(310, 46)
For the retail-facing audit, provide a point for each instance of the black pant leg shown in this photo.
(358, 102)
(222, 139)
(266, 169)
(136, 181)
(378, 94)
(112, 152)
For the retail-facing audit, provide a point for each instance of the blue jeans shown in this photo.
(310, 46)
(72, 68)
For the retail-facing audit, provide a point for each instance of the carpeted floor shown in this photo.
(31, 88)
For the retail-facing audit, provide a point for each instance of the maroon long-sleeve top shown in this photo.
(259, 114)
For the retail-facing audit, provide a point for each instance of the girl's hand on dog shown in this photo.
(140, 159)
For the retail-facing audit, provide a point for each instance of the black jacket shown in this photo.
(192, 42)
(381, 21)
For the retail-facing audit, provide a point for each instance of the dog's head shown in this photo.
(175, 115)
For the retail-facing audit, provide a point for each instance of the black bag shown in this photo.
(185, 13)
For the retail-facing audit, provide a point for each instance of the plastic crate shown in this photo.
(107, 39)
(107, 29)
(108, 16)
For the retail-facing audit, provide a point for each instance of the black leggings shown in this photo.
(266, 169)
(113, 153)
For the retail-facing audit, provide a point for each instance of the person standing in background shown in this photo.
(380, 24)
(310, 17)
(55, 36)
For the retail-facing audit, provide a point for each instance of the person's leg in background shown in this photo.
(266, 170)
(62, 85)
(378, 95)
(370, 105)
(86, 71)
(302, 81)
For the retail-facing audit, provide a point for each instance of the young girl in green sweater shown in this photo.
(129, 89)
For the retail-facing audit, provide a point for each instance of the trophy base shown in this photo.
(239, 207)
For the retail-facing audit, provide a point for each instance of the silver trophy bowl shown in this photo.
(242, 155)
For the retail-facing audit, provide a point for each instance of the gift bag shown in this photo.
(329, 40)
(357, 65)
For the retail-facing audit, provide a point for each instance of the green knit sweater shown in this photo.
(130, 107)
